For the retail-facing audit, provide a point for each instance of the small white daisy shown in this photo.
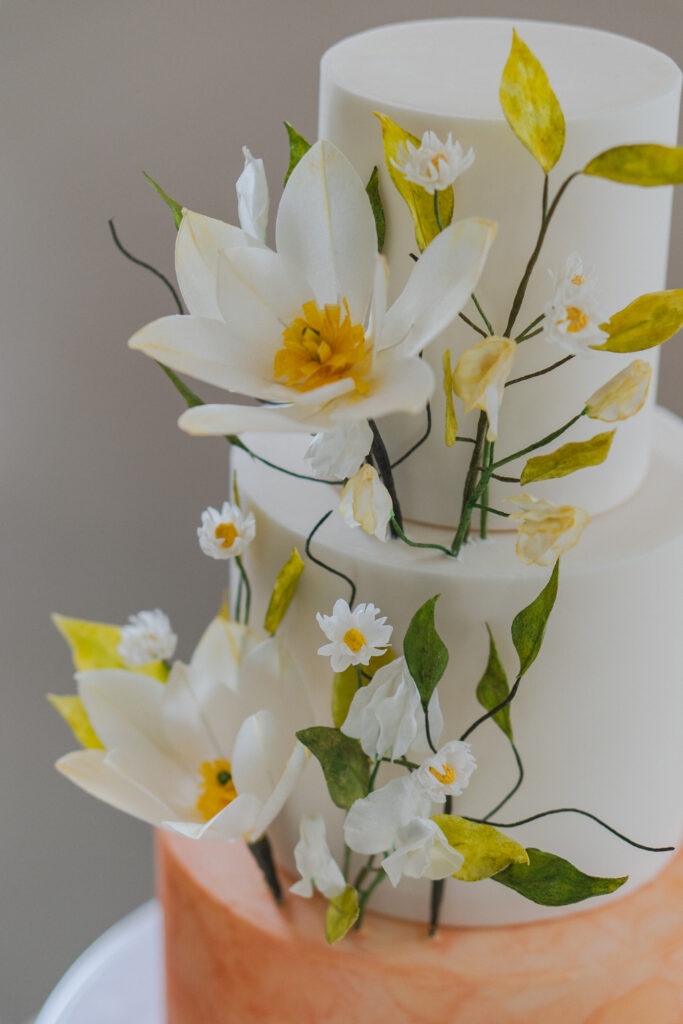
(447, 773)
(147, 637)
(433, 164)
(227, 533)
(573, 315)
(355, 636)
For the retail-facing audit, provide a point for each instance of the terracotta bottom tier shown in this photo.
(233, 957)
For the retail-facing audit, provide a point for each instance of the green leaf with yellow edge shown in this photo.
(451, 421)
(345, 684)
(493, 688)
(554, 882)
(372, 189)
(298, 147)
(342, 914)
(285, 587)
(345, 767)
(74, 714)
(528, 626)
(530, 105)
(644, 165)
(175, 208)
(425, 652)
(569, 458)
(419, 201)
(486, 850)
(95, 645)
(644, 323)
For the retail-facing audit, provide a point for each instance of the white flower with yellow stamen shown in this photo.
(433, 164)
(211, 752)
(546, 531)
(252, 197)
(305, 329)
(622, 396)
(314, 862)
(366, 502)
(387, 715)
(355, 636)
(573, 315)
(479, 377)
(338, 453)
(147, 637)
(227, 533)
(447, 773)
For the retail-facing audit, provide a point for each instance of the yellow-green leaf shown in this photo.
(175, 208)
(645, 165)
(74, 714)
(285, 587)
(95, 645)
(451, 421)
(552, 881)
(419, 201)
(486, 850)
(342, 914)
(493, 688)
(345, 767)
(345, 684)
(530, 105)
(569, 458)
(529, 625)
(298, 147)
(644, 323)
(372, 189)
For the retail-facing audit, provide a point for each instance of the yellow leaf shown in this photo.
(530, 105)
(74, 714)
(486, 850)
(285, 587)
(644, 165)
(345, 684)
(644, 323)
(419, 201)
(568, 458)
(342, 914)
(451, 421)
(95, 645)
(235, 490)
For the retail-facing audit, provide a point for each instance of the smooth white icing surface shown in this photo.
(443, 76)
(597, 718)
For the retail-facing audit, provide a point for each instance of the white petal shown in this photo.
(160, 777)
(259, 755)
(198, 242)
(217, 420)
(440, 284)
(259, 294)
(89, 770)
(325, 226)
(252, 197)
(397, 385)
(221, 648)
(270, 679)
(338, 453)
(196, 712)
(123, 707)
(276, 801)
(372, 824)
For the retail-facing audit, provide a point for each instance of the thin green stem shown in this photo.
(147, 266)
(438, 886)
(417, 443)
(347, 862)
(437, 212)
(539, 373)
(523, 334)
(470, 484)
(417, 544)
(404, 762)
(585, 814)
(324, 565)
(364, 871)
(471, 323)
(493, 511)
(518, 783)
(247, 589)
(373, 777)
(528, 337)
(482, 314)
(365, 896)
(539, 444)
(494, 711)
(238, 600)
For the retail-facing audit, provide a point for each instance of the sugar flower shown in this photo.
(480, 374)
(447, 773)
(433, 164)
(305, 329)
(147, 637)
(314, 862)
(387, 716)
(339, 453)
(573, 315)
(227, 533)
(366, 502)
(622, 396)
(546, 531)
(355, 636)
(252, 197)
(212, 752)
(421, 851)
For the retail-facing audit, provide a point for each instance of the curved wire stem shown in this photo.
(518, 783)
(417, 443)
(494, 711)
(147, 266)
(324, 565)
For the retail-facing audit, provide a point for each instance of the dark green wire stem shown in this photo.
(324, 565)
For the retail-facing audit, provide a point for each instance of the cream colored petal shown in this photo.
(296, 763)
(197, 716)
(217, 420)
(221, 648)
(124, 707)
(198, 242)
(89, 770)
(396, 385)
(259, 294)
(233, 822)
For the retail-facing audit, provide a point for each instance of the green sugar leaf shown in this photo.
(493, 688)
(345, 767)
(298, 147)
(342, 914)
(425, 652)
(554, 882)
(568, 459)
(372, 189)
(175, 208)
(644, 165)
(644, 323)
(486, 850)
(528, 626)
(285, 587)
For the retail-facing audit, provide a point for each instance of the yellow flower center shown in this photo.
(322, 348)
(435, 160)
(576, 319)
(227, 533)
(354, 640)
(217, 789)
(578, 279)
(445, 776)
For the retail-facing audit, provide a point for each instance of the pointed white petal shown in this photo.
(89, 770)
(260, 754)
(259, 294)
(217, 420)
(236, 820)
(196, 715)
(198, 242)
(123, 707)
(160, 777)
(276, 801)
(252, 197)
(221, 648)
(397, 385)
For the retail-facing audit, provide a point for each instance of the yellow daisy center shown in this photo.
(445, 776)
(217, 789)
(576, 319)
(322, 347)
(354, 640)
(435, 160)
(227, 533)
(578, 279)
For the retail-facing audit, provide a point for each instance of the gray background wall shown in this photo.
(100, 492)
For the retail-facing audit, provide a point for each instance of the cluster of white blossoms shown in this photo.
(433, 164)
(147, 637)
(355, 636)
(225, 533)
(573, 316)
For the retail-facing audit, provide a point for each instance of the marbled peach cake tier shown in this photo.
(233, 957)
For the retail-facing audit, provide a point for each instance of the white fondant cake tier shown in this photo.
(597, 718)
(444, 76)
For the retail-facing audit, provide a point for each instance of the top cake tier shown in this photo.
(444, 76)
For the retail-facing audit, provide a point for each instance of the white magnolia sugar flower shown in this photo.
(339, 453)
(305, 329)
(212, 752)
(421, 851)
(314, 862)
(227, 533)
(546, 531)
(447, 773)
(147, 637)
(622, 396)
(366, 502)
(573, 315)
(433, 164)
(252, 197)
(387, 716)
(480, 375)
(355, 636)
